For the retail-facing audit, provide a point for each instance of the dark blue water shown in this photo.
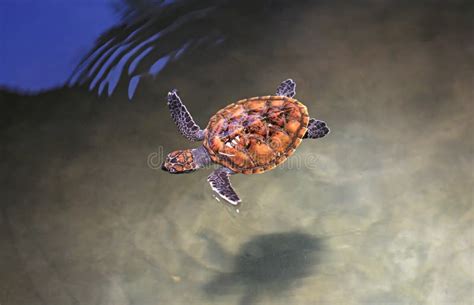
(42, 41)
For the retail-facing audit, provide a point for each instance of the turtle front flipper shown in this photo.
(183, 118)
(316, 129)
(220, 183)
(287, 88)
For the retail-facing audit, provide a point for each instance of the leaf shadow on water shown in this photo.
(268, 264)
(153, 37)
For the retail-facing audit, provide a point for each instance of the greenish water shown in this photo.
(378, 212)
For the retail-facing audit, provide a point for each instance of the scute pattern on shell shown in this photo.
(256, 134)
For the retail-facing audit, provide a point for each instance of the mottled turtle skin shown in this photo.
(184, 160)
(256, 134)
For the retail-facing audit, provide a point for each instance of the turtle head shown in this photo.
(180, 162)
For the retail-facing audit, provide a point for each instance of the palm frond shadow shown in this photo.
(154, 34)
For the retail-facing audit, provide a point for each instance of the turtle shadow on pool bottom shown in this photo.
(268, 264)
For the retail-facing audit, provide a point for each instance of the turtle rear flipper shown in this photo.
(286, 88)
(183, 118)
(220, 183)
(316, 129)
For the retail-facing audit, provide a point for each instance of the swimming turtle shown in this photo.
(250, 136)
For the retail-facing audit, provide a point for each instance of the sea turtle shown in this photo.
(250, 136)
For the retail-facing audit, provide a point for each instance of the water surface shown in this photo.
(381, 214)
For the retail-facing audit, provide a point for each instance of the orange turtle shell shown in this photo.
(256, 134)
